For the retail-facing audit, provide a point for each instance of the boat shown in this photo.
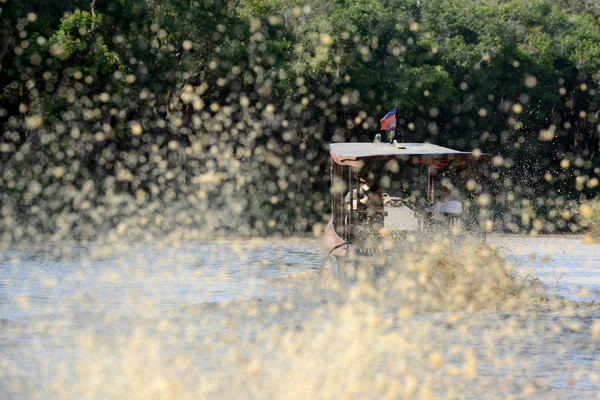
(400, 190)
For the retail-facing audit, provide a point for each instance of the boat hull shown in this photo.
(348, 271)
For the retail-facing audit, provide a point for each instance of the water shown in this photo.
(208, 319)
(564, 264)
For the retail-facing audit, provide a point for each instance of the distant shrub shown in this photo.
(595, 219)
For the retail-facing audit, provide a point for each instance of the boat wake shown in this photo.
(324, 281)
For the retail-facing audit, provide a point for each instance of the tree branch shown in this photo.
(27, 149)
(4, 50)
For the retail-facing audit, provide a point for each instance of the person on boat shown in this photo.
(446, 210)
(446, 201)
(367, 199)
(363, 194)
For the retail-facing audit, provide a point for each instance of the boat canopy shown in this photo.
(353, 154)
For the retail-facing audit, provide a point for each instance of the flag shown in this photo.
(388, 122)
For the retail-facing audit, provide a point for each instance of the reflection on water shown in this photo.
(230, 317)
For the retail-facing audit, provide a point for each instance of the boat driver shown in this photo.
(367, 199)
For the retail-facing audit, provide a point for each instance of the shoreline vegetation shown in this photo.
(217, 114)
(201, 236)
(594, 224)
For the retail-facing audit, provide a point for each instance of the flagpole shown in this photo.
(396, 127)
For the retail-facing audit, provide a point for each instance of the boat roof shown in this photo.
(352, 153)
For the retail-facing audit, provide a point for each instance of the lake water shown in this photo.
(205, 320)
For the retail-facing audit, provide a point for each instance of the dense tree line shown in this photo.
(125, 107)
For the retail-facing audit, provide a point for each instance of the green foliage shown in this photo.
(280, 79)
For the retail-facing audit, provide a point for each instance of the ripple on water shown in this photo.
(224, 318)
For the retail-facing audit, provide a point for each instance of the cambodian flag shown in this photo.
(388, 122)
